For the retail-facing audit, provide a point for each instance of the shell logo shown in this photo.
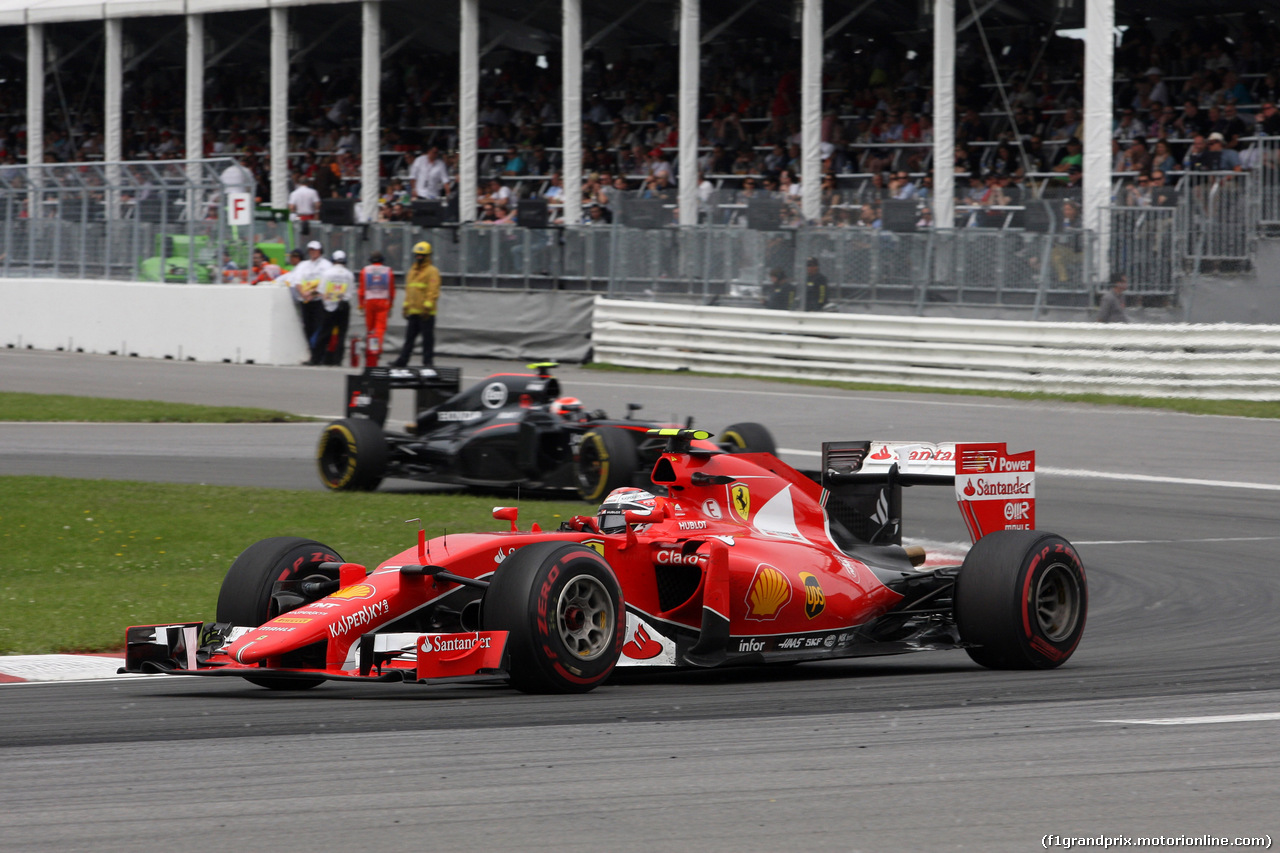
(358, 590)
(769, 593)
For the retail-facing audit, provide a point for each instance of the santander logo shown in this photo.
(641, 646)
(882, 453)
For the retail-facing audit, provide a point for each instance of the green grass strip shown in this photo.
(17, 406)
(1228, 408)
(80, 560)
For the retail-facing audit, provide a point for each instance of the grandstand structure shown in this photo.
(736, 140)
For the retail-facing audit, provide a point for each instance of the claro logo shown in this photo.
(668, 557)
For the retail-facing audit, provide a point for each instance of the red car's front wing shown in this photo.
(193, 648)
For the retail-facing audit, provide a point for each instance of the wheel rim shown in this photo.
(1057, 602)
(334, 456)
(585, 617)
(735, 441)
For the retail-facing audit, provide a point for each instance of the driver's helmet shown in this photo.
(626, 499)
(569, 408)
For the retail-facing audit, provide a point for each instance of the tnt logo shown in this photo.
(1017, 510)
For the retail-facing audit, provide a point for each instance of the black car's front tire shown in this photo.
(262, 583)
(604, 460)
(1021, 600)
(747, 437)
(352, 455)
(562, 607)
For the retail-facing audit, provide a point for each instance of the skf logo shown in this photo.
(596, 545)
(740, 500)
(769, 593)
(359, 590)
(815, 601)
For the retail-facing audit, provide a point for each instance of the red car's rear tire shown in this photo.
(562, 606)
(1021, 600)
(255, 589)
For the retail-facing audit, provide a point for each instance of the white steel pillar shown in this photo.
(113, 88)
(195, 107)
(35, 95)
(1099, 58)
(690, 52)
(370, 106)
(811, 111)
(943, 200)
(571, 109)
(468, 109)
(279, 87)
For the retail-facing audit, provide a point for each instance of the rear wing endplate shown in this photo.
(995, 489)
(369, 392)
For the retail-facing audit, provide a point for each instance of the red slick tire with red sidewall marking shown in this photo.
(1021, 600)
(562, 606)
(249, 591)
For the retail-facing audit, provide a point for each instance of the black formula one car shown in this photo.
(508, 430)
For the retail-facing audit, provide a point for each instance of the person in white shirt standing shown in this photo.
(430, 175)
(307, 278)
(304, 203)
(336, 286)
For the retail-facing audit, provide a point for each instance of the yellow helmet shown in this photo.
(422, 248)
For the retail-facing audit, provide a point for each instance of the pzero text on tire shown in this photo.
(1021, 600)
(748, 437)
(262, 583)
(562, 606)
(352, 455)
(604, 460)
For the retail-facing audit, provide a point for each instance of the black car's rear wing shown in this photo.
(369, 393)
(995, 489)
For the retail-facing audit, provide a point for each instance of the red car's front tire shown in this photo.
(563, 610)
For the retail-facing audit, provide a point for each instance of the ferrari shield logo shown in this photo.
(596, 545)
(740, 500)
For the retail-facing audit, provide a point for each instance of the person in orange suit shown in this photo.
(377, 292)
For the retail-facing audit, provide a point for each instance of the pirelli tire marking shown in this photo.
(349, 439)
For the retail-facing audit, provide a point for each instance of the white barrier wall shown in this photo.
(233, 322)
(1206, 361)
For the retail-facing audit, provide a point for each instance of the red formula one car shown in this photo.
(740, 560)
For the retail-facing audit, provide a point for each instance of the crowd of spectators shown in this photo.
(1189, 98)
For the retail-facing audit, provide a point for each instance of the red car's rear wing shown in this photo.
(995, 489)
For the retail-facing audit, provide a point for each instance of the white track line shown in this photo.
(1192, 721)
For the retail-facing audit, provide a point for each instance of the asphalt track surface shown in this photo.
(1165, 722)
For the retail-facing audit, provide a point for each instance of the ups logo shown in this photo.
(815, 600)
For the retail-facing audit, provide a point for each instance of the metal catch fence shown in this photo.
(148, 220)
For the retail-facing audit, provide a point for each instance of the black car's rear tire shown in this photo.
(747, 437)
(1021, 600)
(605, 460)
(257, 589)
(352, 455)
(562, 607)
